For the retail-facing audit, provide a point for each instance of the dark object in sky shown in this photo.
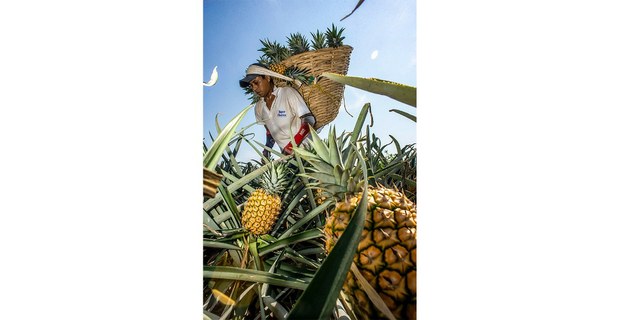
(357, 6)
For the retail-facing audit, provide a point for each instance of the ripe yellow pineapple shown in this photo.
(319, 196)
(277, 67)
(386, 253)
(263, 205)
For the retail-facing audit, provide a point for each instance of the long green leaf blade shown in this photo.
(302, 236)
(219, 245)
(400, 92)
(209, 204)
(306, 218)
(405, 114)
(232, 273)
(231, 204)
(214, 153)
(355, 135)
(319, 300)
(278, 310)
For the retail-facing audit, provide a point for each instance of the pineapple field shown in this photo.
(328, 232)
(271, 230)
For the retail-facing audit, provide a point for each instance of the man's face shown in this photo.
(260, 86)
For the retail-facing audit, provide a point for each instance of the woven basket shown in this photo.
(210, 182)
(324, 96)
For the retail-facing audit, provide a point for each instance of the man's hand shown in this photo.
(288, 149)
(299, 137)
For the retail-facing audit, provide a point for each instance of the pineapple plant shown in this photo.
(297, 43)
(263, 206)
(234, 245)
(386, 254)
(334, 36)
(290, 259)
(318, 40)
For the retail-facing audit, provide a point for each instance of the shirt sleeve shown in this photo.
(296, 102)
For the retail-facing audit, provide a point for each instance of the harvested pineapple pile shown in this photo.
(275, 53)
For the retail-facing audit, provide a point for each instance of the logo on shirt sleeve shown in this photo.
(281, 113)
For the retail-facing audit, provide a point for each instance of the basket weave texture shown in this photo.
(323, 96)
(210, 182)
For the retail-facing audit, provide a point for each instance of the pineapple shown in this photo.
(318, 40)
(386, 253)
(273, 55)
(334, 36)
(277, 67)
(319, 196)
(297, 43)
(263, 205)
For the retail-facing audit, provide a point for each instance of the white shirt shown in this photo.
(283, 120)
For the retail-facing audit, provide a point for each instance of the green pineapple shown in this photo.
(263, 206)
(334, 36)
(297, 43)
(318, 40)
(386, 254)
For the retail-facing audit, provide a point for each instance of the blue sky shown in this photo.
(382, 34)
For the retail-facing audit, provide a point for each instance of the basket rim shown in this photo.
(318, 52)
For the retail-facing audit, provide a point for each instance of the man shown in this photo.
(281, 109)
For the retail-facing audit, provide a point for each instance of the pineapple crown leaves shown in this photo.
(301, 74)
(334, 36)
(327, 165)
(318, 40)
(274, 180)
(263, 60)
(297, 43)
(336, 163)
(273, 52)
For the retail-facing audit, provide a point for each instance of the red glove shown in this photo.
(304, 130)
(288, 149)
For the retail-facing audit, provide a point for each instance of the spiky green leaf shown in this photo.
(279, 244)
(242, 274)
(400, 92)
(319, 300)
(212, 156)
(405, 114)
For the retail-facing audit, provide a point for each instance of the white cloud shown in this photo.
(374, 55)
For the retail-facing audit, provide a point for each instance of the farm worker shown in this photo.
(281, 109)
